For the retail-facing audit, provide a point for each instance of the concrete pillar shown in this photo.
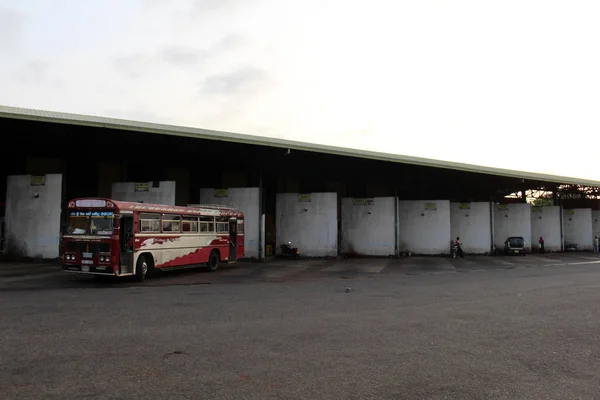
(33, 209)
(308, 221)
(247, 200)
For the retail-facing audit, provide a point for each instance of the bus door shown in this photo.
(126, 243)
(232, 239)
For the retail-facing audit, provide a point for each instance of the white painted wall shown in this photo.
(164, 194)
(595, 223)
(313, 231)
(368, 234)
(424, 234)
(514, 221)
(545, 222)
(578, 228)
(247, 201)
(472, 225)
(33, 224)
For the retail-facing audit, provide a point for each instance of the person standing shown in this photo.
(542, 248)
(595, 244)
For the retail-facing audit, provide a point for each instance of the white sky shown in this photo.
(512, 84)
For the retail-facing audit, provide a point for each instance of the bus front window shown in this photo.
(101, 226)
(78, 225)
(90, 223)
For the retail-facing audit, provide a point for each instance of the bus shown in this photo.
(107, 237)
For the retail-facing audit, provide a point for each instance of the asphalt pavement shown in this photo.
(522, 331)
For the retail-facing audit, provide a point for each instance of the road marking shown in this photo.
(581, 263)
(373, 269)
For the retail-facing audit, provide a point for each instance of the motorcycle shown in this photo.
(287, 250)
(454, 248)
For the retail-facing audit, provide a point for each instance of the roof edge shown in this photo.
(174, 130)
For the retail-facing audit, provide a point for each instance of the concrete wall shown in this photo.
(512, 220)
(545, 222)
(368, 226)
(163, 194)
(311, 225)
(595, 223)
(423, 230)
(471, 222)
(578, 228)
(33, 216)
(247, 200)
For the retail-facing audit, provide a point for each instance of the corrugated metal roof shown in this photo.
(121, 124)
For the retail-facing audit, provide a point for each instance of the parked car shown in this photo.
(514, 245)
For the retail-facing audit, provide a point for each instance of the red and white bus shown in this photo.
(119, 238)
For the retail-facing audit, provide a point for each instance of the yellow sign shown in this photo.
(363, 202)
(464, 206)
(142, 187)
(38, 180)
(221, 193)
(502, 206)
(537, 208)
(430, 206)
(305, 197)
(569, 212)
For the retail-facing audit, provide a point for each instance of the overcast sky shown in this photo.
(512, 84)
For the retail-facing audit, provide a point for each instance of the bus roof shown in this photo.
(104, 203)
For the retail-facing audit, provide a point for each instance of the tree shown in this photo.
(543, 201)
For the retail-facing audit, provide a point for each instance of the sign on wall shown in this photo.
(569, 212)
(502, 206)
(142, 187)
(221, 193)
(363, 202)
(430, 206)
(38, 180)
(537, 209)
(464, 206)
(305, 197)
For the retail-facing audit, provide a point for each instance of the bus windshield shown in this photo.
(90, 223)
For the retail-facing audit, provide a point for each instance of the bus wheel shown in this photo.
(213, 261)
(141, 269)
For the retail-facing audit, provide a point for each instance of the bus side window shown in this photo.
(207, 224)
(171, 223)
(190, 224)
(149, 223)
(222, 224)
